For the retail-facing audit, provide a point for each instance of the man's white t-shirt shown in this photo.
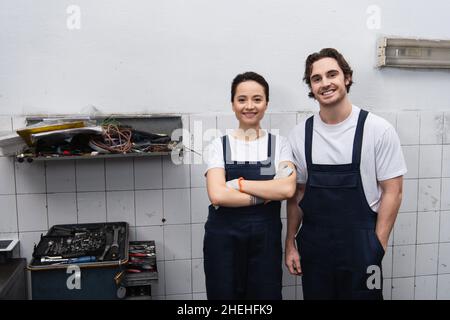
(252, 151)
(381, 156)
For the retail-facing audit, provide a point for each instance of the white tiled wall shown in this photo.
(421, 234)
(425, 288)
(168, 203)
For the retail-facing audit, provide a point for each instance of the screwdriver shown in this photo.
(60, 260)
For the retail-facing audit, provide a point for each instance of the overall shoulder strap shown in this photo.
(308, 140)
(226, 150)
(271, 145)
(357, 142)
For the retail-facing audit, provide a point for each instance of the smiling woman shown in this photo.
(242, 244)
(249, 100)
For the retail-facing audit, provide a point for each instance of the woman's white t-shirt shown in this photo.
(252, 151)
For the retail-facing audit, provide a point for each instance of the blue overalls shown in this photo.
(242, 246)
(339, 249)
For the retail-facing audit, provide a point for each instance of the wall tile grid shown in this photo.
(168, 203)
(421, 248)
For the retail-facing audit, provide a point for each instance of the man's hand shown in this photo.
(391, 198)
(292, 260)
(384, 242)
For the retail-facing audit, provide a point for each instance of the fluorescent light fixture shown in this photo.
(414, 53)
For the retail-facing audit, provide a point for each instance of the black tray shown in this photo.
(87, 245)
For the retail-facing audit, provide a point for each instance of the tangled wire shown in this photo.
(115, 139)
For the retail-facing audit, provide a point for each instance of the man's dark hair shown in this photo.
(327, 53)
(249, 76)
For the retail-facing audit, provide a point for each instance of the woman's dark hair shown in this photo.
(249, 76)
(327, 53)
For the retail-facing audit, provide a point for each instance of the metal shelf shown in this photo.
(99, 156)
(155, 123)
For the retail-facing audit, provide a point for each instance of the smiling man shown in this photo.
(350, 171)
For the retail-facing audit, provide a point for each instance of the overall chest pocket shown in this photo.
(333, 180)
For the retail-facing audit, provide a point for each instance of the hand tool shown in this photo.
(82, 259)
(49, 245)
(107, 246)
(61, 260)
(115, 244)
